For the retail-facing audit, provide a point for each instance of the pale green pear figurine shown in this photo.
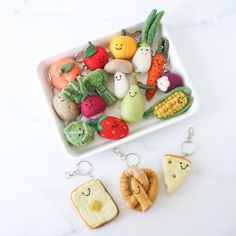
(132, 106)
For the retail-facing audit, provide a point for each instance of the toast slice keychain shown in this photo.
(91, 199)
(177, 167)
(139, 187)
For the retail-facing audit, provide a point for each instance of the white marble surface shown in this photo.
(34, 196)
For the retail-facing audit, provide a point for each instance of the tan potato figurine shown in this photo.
(66, 110)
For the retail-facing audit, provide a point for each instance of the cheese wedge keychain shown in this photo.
(91, 199)
(177, 167)
(139, 187)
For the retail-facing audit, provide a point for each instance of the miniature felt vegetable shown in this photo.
(110, 127)
(171, 104)
(132, 106)
(63, 71)
(142, 58)
(169, 81)
(66, 110)
(92, 106)
(123, 47)
(75, 91)
(120, 68)
(157, 66)
(96, 81)
(79, 134)
(95, 57)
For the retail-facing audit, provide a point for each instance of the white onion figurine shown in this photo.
(119, 68)
(142, 58)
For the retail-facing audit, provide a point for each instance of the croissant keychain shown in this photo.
(94, 204)
(139, 187)
(177, 168)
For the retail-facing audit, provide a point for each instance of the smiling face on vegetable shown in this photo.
(123, 47)
(111, 127)
(78, 133)
(144, 50)
(134, 91)
(92, 105)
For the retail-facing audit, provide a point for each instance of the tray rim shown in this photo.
(130, 137)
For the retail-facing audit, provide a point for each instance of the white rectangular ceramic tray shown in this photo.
(138, 130)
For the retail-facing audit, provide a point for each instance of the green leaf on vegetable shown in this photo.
(67, 67)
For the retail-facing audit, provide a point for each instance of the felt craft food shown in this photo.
(92, 106)
(132, 106)
(120, 68)
(95, 57)
(142, 58)
(110, 127)
(96, 82)
(79, 133)
(171, 104)
(169, 81)
(157, 66)
(176, 170)
(66, 110)
(139, 188)
(63, 71)
(123, 47)
(75, 91)
(94, 203)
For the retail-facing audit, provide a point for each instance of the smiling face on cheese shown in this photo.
(176, 170)
(94, 204)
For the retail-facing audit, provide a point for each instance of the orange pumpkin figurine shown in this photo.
(123, 47)
(63, 71)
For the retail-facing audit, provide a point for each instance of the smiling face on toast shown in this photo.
(94, 203)
(176, 170)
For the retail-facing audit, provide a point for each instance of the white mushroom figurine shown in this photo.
(119, 68)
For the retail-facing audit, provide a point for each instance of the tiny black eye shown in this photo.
(83, 193)
(187, 165)
(116, 77)
(146, 49)
(169, 162)
(120, 76)
(117, 44)
(141, 49)
(136, 93)
(121, 45)
(181, 163)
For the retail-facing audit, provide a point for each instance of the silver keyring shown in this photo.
(131, 163)
(84, 168)
(187, 144)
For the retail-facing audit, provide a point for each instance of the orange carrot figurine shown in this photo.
(157, 66)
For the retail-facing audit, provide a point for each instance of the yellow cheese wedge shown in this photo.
(94, 204)
(176, 170)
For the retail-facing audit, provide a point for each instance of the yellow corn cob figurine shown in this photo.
(172, 104)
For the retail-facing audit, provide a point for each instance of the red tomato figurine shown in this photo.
(95, 57)
(110, 127)
(63, 71)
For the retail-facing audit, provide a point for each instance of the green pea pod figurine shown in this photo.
(172, 104)
(79, 133)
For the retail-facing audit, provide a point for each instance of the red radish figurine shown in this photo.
(95, 57)
(63, 71)
(110, 127)
(92, 106)
(169, 81)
